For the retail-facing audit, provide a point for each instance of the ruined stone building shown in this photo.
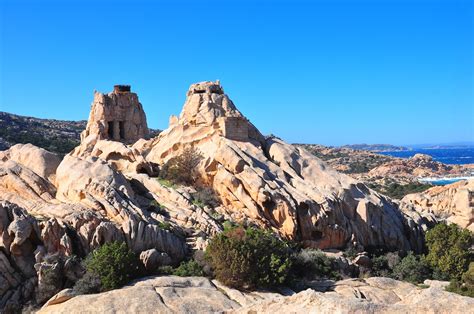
(117, 116)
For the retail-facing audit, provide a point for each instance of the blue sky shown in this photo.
(329, 72)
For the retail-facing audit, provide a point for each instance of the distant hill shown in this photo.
(57, 136)
(376, 147)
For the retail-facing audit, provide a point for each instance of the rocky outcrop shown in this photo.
(371, 295)
(420, 165)
(19, 238)
(453, 202)
(119, 156)
(39, 160)
(199, 295)
(117, 116)
(104, 191)
(275, 184)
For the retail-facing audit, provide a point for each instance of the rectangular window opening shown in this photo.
(111, 129)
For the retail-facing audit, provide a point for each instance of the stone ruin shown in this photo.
(117, 116)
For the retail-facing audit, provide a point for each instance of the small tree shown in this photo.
(449, 249)
(114, 264)
(248, 258)
(182, 169)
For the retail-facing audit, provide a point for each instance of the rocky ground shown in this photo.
(105, 190)
(200, 295)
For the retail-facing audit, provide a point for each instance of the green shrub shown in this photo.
(398, 191)
(380, 267)
(167, 183)
(466, 285)
(248, 257)
(350, 253)
(89, 283)
(114, 264)
(311, 264)
(383, 265)
(448, 250)
(412, 268)
(165, 225)
(188, 269)
(182, 169)
(205, 196)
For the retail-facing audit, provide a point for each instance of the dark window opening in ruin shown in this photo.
(199, 91)
(111, 129)
(122, 130)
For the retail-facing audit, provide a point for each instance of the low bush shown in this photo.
(311, 264)
(113, 263)
(383, 265)
(246, 258)
(466, 285)
(89, 283)
(182, 169)
(350, 253)
(188, 269)
(205, 196)
(412, 268)
(449, 250)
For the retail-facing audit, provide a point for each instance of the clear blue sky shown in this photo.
(329, 72)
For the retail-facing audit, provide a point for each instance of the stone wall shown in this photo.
(235, 128)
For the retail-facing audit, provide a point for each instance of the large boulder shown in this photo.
(39, 160)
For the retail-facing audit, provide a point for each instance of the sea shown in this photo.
(453, 156)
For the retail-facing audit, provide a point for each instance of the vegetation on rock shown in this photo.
(312, 264)
(249, 257)
(182, 168)
(188, 269)
(412, 268)
(398, 191)
(113, 263)
(449, 250)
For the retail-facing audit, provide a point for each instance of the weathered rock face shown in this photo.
(199, 295)
(119, 156)
(19, 238)
(275, 184)
(39, 160)
(453, 202)
(117, 116)
(92, 204)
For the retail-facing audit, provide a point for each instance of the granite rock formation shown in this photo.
(453, 202)
(105, 190)
(277, 185)
(199, 295)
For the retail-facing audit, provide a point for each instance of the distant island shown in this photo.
(376, 147)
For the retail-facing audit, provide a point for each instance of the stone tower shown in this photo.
(116, 116)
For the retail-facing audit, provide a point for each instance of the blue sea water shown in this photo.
(454, 156)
